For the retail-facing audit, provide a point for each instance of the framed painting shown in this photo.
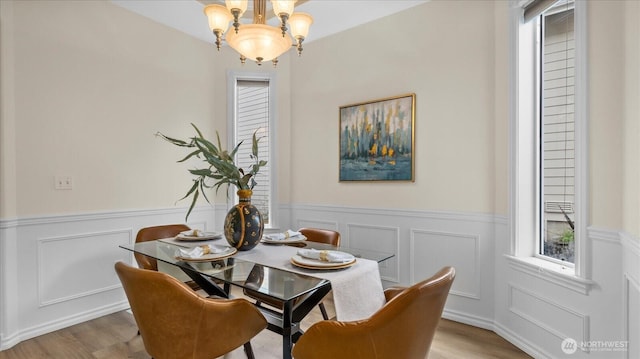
(377, 140)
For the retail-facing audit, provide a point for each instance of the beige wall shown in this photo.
(614, 94)
(85, 85)
(453, 55)
(441, 51)
(7, 114)
(501, 107)
(631, 179)
(92, 85)
(606, 105)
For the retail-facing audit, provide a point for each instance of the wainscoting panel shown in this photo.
(432, 250)
(82, 254)
(58, 271)
(540, 314)
(423, 242)
(631, 257)
(202, 225)
(631, 269)
(384, 239)
(550, 316)
(632, 306)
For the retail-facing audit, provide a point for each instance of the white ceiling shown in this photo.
(330, 16)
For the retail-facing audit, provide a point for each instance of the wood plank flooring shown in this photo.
(115, 336)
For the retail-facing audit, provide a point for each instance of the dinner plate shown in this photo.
(296, 239)
(228, 252)
(309, 263)
(206, 236)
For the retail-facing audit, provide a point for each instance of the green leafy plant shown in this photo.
(221, 168)
(566, 237)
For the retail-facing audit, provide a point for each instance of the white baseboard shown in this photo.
(60, 323)
(520, 342)
(469, 319)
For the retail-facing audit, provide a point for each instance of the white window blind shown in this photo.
(558, 107)
(252, 101)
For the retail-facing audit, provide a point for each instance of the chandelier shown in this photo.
(258, 41)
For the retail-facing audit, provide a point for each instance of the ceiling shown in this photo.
(330, 16)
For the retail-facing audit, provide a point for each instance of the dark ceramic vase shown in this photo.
(243, 225)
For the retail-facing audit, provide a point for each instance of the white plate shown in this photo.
(295, 239)
(309, 263)
(206, 236)
(228, 252)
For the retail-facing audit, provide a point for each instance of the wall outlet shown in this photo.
(64, 182)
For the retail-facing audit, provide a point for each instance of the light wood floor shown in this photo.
(115, 336)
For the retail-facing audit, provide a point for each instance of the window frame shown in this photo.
(232, 80)
(523, 154)
(540, 95)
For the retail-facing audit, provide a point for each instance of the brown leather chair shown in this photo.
(175, 322)
(153, 233)
(403, 328)
(321, 236)
(158, 232)
(317, 235)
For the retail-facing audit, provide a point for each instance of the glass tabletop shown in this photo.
(277, 283)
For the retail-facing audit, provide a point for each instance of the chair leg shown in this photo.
(324, 311)
(248, 350)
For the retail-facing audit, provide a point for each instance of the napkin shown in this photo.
(199, 251)
(286, 235)
(326, 256)
(193, 233)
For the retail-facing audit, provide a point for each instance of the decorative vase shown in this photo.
(243, 225)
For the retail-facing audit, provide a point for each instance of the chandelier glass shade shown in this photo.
(258, 41)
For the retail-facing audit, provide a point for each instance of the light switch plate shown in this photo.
(63, 182)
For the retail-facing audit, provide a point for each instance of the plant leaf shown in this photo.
(193, 203)
(193, 188)
(173, 140)
(254, 148)
(219, 143)
(205, 146)
(194, 153)
(203, 191)
(201, 172)
(197, 130)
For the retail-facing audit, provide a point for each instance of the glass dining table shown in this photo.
(298, 292)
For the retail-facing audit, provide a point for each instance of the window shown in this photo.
(252, 110)
(548, 134)
(556, 57)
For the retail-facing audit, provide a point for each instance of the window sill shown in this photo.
(551, 272)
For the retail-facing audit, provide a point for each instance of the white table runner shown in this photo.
(357, 290)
